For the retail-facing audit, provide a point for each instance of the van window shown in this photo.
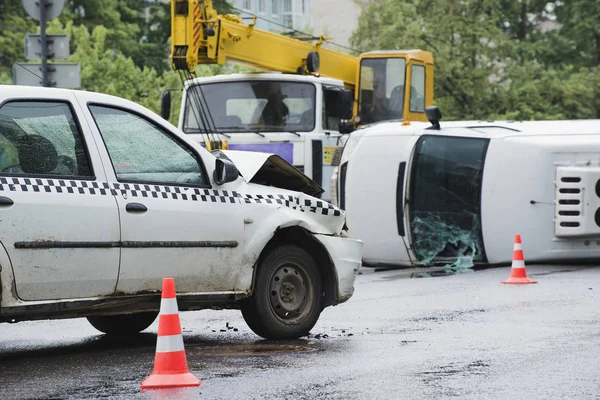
(445, 198)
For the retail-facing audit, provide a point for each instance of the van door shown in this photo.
(445, 198)
(60, 223)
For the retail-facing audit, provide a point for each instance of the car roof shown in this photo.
(7, 91)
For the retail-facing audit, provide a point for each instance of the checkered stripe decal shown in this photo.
(317, 207)
(54, 186)
(175, 193)
(163, 192)
(105, 188)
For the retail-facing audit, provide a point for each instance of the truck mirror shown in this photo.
(165, 105)
(345, 127)
(339, 102)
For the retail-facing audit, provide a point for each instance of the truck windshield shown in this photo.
(381, 95)
(250, 106)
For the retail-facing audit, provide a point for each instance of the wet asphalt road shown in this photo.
(464, 335)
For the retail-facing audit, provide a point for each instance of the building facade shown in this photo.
(336, 19)
(278, 15)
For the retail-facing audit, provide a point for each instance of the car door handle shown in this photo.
(136, 207)
(5, 201)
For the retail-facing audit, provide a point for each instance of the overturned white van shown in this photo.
(423, 194)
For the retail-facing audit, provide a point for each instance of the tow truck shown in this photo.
(303, 101)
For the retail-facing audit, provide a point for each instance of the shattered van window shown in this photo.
(445, 199)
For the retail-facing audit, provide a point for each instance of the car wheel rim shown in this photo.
(289, 292)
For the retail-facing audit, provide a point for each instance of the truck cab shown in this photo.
(297, 117)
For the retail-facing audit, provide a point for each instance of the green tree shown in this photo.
(580, 25)
(13, 26)
(466, 38)
(492, 59)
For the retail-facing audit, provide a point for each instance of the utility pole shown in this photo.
(43, 39)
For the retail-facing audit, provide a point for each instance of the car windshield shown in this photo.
(250, 106)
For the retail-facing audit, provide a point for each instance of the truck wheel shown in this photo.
(287, 296)
(123, 324)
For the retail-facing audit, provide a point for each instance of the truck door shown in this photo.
(60, 224)
(445, 198)
(173, 224)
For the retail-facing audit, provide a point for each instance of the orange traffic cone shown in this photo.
(170, 363)
(518, 274)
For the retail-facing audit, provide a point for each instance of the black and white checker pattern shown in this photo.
(54, 186)
(65, 186)
(175, 193)
(307, 205)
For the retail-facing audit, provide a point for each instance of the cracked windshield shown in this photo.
(445, 204)
(265, 106)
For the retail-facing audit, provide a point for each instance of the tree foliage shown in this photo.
(517, 59)
(496, 58)
(122, 47)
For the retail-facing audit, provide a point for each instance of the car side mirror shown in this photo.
(225, 171)
(345, 127)
(165, 105)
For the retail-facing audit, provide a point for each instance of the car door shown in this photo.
(59, 222)
(173, 224)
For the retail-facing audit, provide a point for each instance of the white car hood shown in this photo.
(271, 170)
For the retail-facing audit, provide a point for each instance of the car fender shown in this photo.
(260, 230)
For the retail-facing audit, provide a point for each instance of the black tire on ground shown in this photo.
(287, 298)
(123, 324)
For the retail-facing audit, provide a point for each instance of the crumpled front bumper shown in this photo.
(346, 255)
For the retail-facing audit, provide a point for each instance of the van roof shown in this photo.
(496, 129)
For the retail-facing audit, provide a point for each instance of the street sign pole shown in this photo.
(43, 38)
(51, 47)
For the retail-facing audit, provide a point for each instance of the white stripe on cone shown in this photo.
(170, 343)
(518, 246)
(518, 264)
(168, 306)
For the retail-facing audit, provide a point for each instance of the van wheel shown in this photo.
(287, 298)
(122, 324)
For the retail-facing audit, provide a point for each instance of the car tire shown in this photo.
(287, 296)
(123, 324)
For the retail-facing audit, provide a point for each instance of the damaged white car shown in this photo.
(101, 198)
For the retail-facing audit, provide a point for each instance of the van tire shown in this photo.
(122, 324)
(287, 296)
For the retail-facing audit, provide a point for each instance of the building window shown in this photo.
(275, 7)
(247, 4)
(262, 6)
(287, 6)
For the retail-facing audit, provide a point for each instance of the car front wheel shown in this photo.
(287, 298)
(122, 325)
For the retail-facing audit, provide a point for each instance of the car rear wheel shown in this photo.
(287, 298)
(122, 325)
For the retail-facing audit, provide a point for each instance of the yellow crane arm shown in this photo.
(199, 35)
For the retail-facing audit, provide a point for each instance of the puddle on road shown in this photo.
(429, 272)
(252, 349)
(477, 367)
